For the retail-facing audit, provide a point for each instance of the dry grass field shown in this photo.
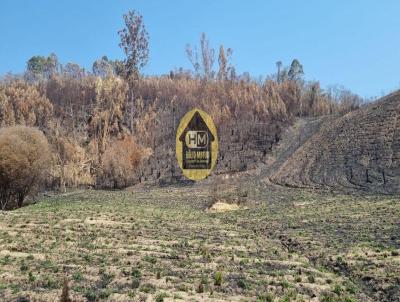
(166, 244)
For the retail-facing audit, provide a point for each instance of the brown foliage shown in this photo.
(89, 114)
(119, 163)
(24, 163)
(73, 100)
(107, 116)
(23, 104)
(82, 116)
(73, 164)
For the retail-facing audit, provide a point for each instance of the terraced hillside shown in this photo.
(359, 151)
(166, 244)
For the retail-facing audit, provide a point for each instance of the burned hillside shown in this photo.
(359, 151)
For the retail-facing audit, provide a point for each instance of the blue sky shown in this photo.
(352, 43)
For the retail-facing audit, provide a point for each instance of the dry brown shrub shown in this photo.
(73, 164)
(25, 159)
(119, 162)
(23, 104)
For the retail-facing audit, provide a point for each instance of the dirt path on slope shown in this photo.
(293, 138)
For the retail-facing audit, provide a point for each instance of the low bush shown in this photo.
(218, 278)
(25, 160)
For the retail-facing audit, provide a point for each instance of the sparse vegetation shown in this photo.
(164, 221)
(218, 278)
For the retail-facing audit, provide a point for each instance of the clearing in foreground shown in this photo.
(165, 244)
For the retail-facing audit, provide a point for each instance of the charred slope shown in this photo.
(360, 150)
(243, 144)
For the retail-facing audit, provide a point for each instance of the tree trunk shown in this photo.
(132, 106)
(20, 200)
(62, 180)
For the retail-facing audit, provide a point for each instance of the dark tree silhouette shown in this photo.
(296, 71)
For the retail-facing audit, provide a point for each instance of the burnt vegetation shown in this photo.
(234, 236)
(87, 117)
(357, 152)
